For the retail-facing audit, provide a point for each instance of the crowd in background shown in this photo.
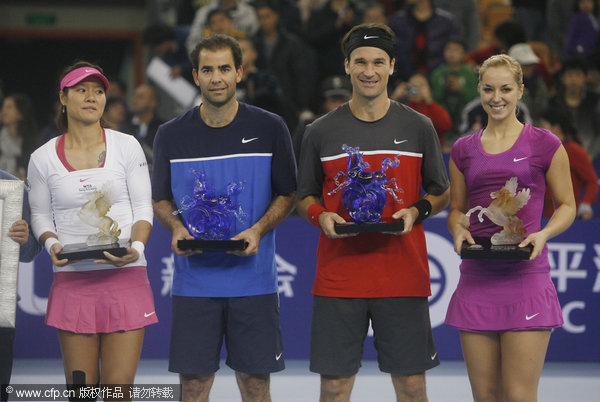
(293, 66)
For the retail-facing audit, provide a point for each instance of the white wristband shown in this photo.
(139, 247)
(50, 241)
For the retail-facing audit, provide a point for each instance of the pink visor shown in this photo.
(80, 74)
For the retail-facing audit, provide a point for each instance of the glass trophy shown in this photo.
(503, 245)
(93, 213)
(210, 217)
(365, 194)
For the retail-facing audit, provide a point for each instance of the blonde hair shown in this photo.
(503, 60)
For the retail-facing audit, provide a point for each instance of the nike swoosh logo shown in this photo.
(370, 37)
(399, 142)
(82, 180)
(519, 159)
(88, 70)
(245, 141)
(278, 356)
(434, 355)
(529, 317)
(148, 314)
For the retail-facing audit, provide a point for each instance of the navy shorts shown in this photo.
(250, 326)
(401, 328)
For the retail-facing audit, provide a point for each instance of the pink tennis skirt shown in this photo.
(504, 303)
(101, 301)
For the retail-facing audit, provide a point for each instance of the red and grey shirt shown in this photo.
(373, 264)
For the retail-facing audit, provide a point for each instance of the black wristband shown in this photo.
(424, 208)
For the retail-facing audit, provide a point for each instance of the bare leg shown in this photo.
(80, 352)
(482, 357)
(120, 355)
(195, 388)
(523, 355)
(336, 389)
(254, 387)
(410, 388)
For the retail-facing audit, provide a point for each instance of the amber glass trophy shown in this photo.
(93, 213)
(504, 244)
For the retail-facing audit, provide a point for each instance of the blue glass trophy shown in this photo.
(365, 194)
(210, 217)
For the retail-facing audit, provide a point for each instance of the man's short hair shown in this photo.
(577, 62)
(216, 42)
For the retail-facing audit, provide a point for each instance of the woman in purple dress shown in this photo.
(505, 309)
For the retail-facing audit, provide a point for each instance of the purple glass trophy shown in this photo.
(93, 213)
(210, 217)
(501, 211)
(365, 194)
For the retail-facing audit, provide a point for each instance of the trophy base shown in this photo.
(351, 227)
(212, 244)
(81, 251)
(483, 249)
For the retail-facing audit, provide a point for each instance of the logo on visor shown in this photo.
(370, 37)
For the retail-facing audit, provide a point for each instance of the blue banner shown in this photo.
(574, 258)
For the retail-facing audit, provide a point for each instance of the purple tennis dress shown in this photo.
(500, 295)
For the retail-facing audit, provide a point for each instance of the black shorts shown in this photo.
(401, 328)
(250, 326)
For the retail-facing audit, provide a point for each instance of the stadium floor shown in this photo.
(561, 381)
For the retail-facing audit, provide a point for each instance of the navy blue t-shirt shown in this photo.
(255, 149)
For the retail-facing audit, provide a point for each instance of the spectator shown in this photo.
(418, 97)
(334, 91)
(241, 12)
(168, 44)
(593, 75)
(466, 15)
(115, 113)
(374, 12)
(145, 121)
(583, 103)
(18, 135)
(532, 14)
(289, 16)
(325, 29)
(535, 93)
(507, 34)
(557, 17)
(219, 21)
(421, 34)
(284, 55)
(584, 29)
(118, 88)
(454, 83)
(583, 175)
(260, 88)
(51, 130)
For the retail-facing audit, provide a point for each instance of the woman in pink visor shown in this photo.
(90, 174)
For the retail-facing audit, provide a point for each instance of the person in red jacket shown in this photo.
(417, 95)
(583, 175)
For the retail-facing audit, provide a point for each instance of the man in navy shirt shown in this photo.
(231, 295)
